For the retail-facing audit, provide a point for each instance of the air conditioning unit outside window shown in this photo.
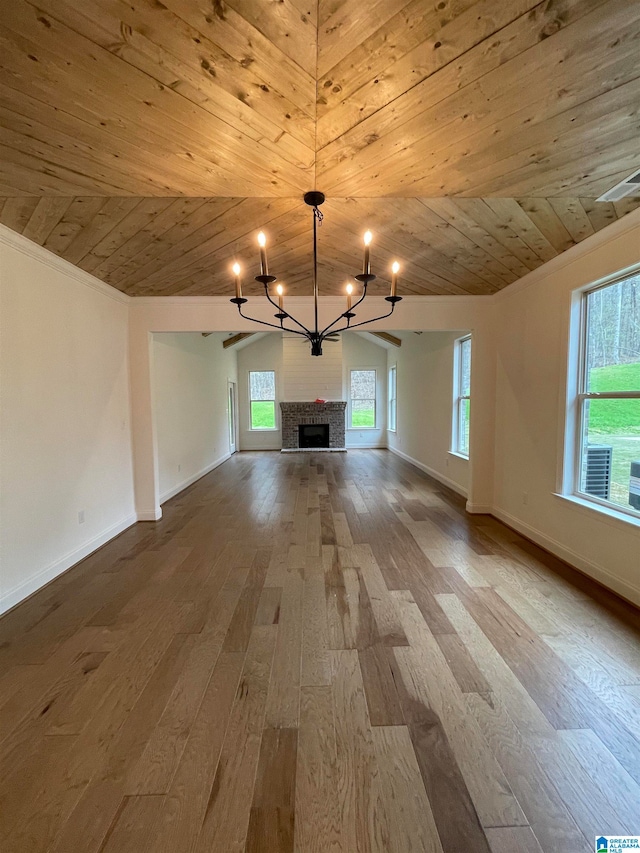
(634, 485)
(597, 481)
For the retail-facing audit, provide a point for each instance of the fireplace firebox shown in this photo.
(313, 435)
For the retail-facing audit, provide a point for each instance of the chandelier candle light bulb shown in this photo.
(366, 267)
(395, 269)
(280, 292)
(262, 242)
(349, 292)
(236, 273)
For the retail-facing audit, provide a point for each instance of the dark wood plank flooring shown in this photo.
(319, 652)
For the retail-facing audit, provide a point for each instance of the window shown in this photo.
(262, 399)
(363, 399)
(608, 434)
(462, 395)
(393, 397)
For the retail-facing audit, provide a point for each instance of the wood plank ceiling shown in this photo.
(147, 142)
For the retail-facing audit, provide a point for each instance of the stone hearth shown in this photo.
(332, 413)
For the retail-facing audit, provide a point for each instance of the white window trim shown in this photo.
(276, 428)
(393, 367)
(572, 417)
(457, 397)
(375, 402)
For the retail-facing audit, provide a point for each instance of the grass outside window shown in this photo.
(263, 414)
(363, 399)
(608, 452)
(615, 424)
(262, 399)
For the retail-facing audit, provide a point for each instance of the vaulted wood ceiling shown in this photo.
(147, 141)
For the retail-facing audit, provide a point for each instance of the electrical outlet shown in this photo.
(179, 467)
(81, 517)
(525, 498)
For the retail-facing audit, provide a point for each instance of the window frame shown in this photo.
(582, 396)
(275, 400)
(393, 369)
(375, 399)
(458, 398)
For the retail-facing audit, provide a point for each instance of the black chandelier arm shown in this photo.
(340, 316)
(305, 331)
(363, 322)
(280, 328)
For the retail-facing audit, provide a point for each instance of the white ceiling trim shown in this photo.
(39, 253)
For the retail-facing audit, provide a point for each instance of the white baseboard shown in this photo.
(150, 515)
(478, 509)
(171, 493)
(366, 447)
(46, 575)
(430, 471)
(593, 570)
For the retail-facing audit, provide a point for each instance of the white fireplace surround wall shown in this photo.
(296, 413)
(306, 377)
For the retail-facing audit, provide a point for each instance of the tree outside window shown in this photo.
(262, 399)
(609, 396)
(363, 399)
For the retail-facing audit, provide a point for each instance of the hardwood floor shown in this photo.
(319, 652)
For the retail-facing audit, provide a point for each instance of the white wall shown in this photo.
(533, 319)
(308, 377)
(362, 354)
(264, 354)
(190, 384)
(425, 405)
(64, 417)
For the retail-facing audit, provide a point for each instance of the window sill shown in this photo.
(607, 514)
(394, 431)
(458, 455)
(263, 429)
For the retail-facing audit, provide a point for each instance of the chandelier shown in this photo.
(316, 336)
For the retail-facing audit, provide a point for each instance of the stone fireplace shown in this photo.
(295, 415)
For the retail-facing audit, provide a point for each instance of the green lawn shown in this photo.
(263, 414)
(365, 418)
(616, 423)
(617, 417)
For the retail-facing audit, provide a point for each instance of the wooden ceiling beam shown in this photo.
(241, 336)
(389, 338)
